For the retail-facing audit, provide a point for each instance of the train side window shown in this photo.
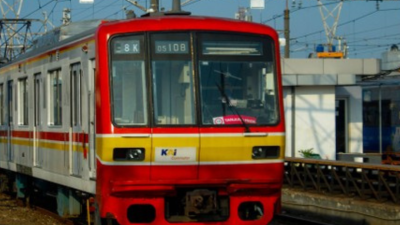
(23, 101)
(37, 94)
(45, 82)
(9, 103)
(2, 104)
(55, 97)
(76, 94)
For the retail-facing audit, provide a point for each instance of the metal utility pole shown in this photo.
(287, 30)
(243, 14)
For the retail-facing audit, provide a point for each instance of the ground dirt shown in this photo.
(12, 212)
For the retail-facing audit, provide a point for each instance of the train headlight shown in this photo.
(128, 154)
(265, 152)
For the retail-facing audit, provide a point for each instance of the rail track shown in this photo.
(284, 219)
(54, 215)
(14, 211)
(12, 208)
(61, 220)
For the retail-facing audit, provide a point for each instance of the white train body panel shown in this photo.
(35, 137)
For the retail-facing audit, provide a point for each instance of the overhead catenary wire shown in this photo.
(383, 36)
(102, 8)
(310, 42)
(16, 33)
(295, 41)
(307, 40)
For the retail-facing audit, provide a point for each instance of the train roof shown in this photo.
(58, 37)
(65, 32)
(183, 22)
(77, 30)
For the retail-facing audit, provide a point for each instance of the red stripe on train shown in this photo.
(50, 136)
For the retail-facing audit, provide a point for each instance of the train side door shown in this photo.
(91, 120)
(9, 121)
(37, 124)
(76, 134)
(3, 131)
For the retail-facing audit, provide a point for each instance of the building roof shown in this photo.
(316, 71)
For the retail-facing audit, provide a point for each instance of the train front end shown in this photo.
(189, 121)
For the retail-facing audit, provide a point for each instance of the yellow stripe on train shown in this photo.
(212, 149)
(59, 146)
(236, 148)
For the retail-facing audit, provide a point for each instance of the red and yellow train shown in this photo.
(161, 119)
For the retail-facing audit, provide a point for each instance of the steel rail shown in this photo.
(288, 219)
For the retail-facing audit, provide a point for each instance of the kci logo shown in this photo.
(168, 152)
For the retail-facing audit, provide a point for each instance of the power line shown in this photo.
(295, 41)
(293, 11)
(381, 37)
(102, 8)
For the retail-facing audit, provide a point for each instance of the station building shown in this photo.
(326, 101)
(381, 106)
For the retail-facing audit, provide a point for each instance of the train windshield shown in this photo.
(237, 80)
(195, 78)
(129, 100)
(173, 89)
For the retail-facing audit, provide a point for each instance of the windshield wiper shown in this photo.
(228, 75)
(228, 101)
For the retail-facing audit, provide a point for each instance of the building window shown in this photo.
(23, 101)
(55, 97)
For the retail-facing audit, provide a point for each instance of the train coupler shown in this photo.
(201, 201)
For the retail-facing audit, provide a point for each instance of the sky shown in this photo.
(368, 27)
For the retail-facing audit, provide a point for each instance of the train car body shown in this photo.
(41, 133)
(170, 119)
